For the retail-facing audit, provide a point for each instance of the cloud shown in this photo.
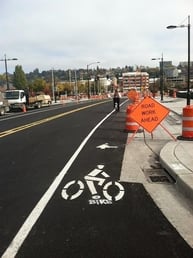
(71, 33)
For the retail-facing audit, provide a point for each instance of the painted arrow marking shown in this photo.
(106, 146)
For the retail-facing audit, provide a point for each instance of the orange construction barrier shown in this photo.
(132, 95)
(131, 125)
(24, 108)
(62, 99)
(187, 122)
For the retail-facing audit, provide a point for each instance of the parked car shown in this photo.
(4, 105)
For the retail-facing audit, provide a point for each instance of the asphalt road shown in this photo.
(60, 194)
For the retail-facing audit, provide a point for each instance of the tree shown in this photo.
(38, 85)
(2, 79)
(19, 78)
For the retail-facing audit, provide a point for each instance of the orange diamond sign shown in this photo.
(149, 113)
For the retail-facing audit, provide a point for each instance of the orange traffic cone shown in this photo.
(24, 108)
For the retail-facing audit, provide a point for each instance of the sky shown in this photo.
(71, 34)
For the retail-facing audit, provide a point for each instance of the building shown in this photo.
(176, 77)
(169, 70)
(135, 80)
(183, 66)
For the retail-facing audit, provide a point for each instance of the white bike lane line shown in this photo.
(25, 229)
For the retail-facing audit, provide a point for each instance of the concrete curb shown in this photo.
(181, 174)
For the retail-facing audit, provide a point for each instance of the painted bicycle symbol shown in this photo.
(96, 177)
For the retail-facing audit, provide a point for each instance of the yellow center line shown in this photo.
(45, 120)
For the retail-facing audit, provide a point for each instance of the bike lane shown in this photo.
(92, 214)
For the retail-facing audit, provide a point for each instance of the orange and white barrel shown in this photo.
(130, 125)
(187, 122)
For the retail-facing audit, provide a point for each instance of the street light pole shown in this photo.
(187, 114)
(161, 75)
(76, 86)
(6, 73)
(188, 86)
(188, 97)
(162, 78)
(89, 78)
(53, 88)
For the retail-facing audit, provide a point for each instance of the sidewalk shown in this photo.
(177, 156)
(147, 155)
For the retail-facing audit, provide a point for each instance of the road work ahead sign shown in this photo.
(149, 113)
